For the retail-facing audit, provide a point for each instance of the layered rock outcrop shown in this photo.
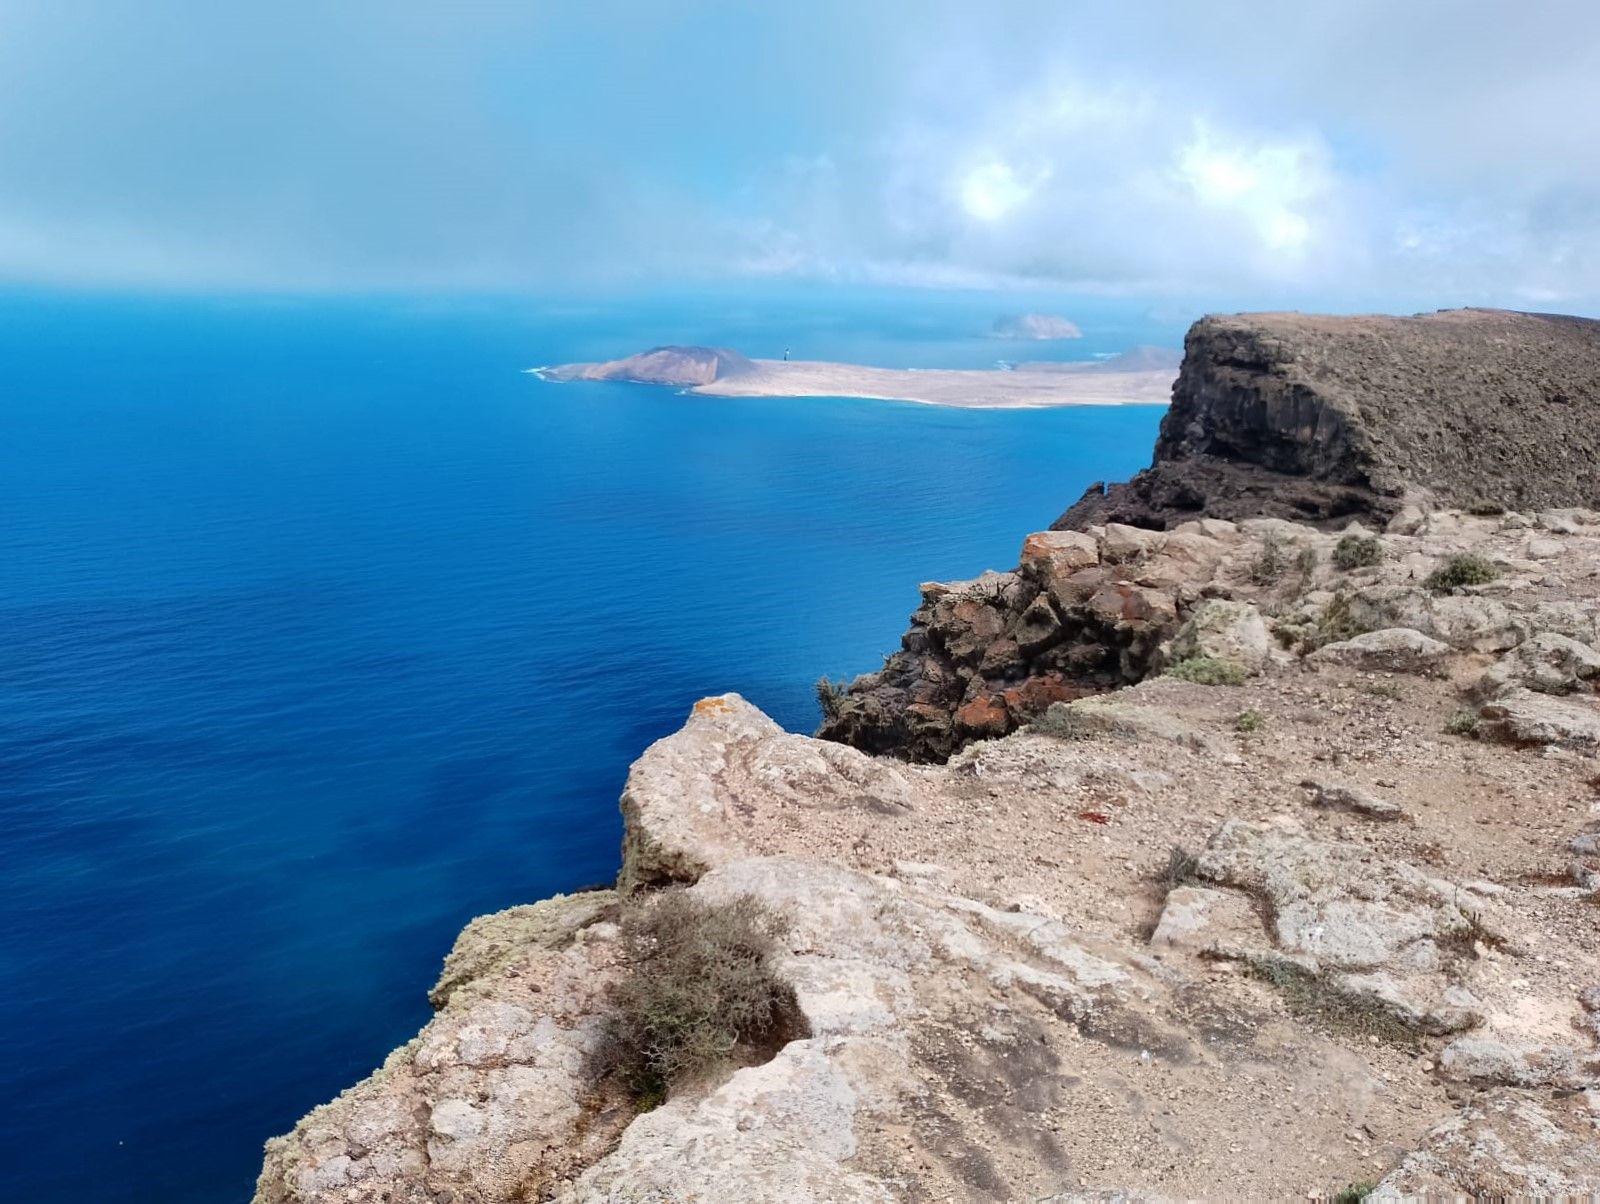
(1321, 418)
(1274, 416)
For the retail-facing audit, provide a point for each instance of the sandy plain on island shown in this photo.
(971, 388)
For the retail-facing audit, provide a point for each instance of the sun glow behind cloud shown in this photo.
(1339, 148)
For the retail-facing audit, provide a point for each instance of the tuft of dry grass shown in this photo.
(698, 995)
(1318, 998)
(1207, 671)
(1182, 869)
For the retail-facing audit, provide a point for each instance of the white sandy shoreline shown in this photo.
(966, 388)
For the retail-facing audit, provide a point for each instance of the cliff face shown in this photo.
(1372, 958)
(1321, 418)
(1274, 416)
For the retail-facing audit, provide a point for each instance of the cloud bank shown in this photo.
(1430, 152)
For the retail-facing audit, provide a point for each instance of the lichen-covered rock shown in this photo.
(693, 797)
(1335, 907)
(1505, 1145)
(489, 1100)
(1223, 630)
(1483, 1061)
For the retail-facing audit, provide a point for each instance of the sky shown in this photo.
(1385, 152)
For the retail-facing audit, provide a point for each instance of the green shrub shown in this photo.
(697, 996)
(1466, 569)
(1269, 566)
(1353, 1193)
(1462, 723)
(1249, 720)
(831, 696)
(1357, 552)
(1207, 671)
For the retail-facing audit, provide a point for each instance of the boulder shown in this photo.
(1547, 663)
(1523, 717)
(1393, 650)
(1354, 799)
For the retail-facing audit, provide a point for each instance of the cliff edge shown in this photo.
(1315, 912)
(1319, 420)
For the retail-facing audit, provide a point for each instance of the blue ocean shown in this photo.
(326, 628)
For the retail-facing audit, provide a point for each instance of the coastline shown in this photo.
(956, 387)
(1033, 386)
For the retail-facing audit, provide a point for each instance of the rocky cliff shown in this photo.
(1322, 418)
(1273, 416)
(1303, 901)
(1317, 910)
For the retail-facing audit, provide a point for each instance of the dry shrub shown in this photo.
(1357, 552)
(1466, 569)
(698, 996)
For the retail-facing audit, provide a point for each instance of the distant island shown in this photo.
(1039, 327)
(1142, 376)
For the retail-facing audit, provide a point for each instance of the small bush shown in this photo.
(1353, 1193)
(1207, 671)
(1182, 869)
(831, 696)
(698, 995)
(1249, 720)
(1057, 721)
(1485, 507)
(1357, 552)
(1467, 569)
(1338, 620)
(1269, 566)
(1462, 723)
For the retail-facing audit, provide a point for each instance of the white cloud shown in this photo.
(1333, 149)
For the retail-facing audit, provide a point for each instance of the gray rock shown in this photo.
(1523, 717)
(1482, 1062)
(1505, 1144)
(1547, 663)
(1394, 649)
(1341, 797)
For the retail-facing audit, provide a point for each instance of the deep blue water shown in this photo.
(325, 629)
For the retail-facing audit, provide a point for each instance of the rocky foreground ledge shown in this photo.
(1318, 908)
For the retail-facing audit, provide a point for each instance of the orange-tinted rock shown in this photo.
(985, 716)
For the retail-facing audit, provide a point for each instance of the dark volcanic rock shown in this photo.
(1313, 419)
(1319, 418)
